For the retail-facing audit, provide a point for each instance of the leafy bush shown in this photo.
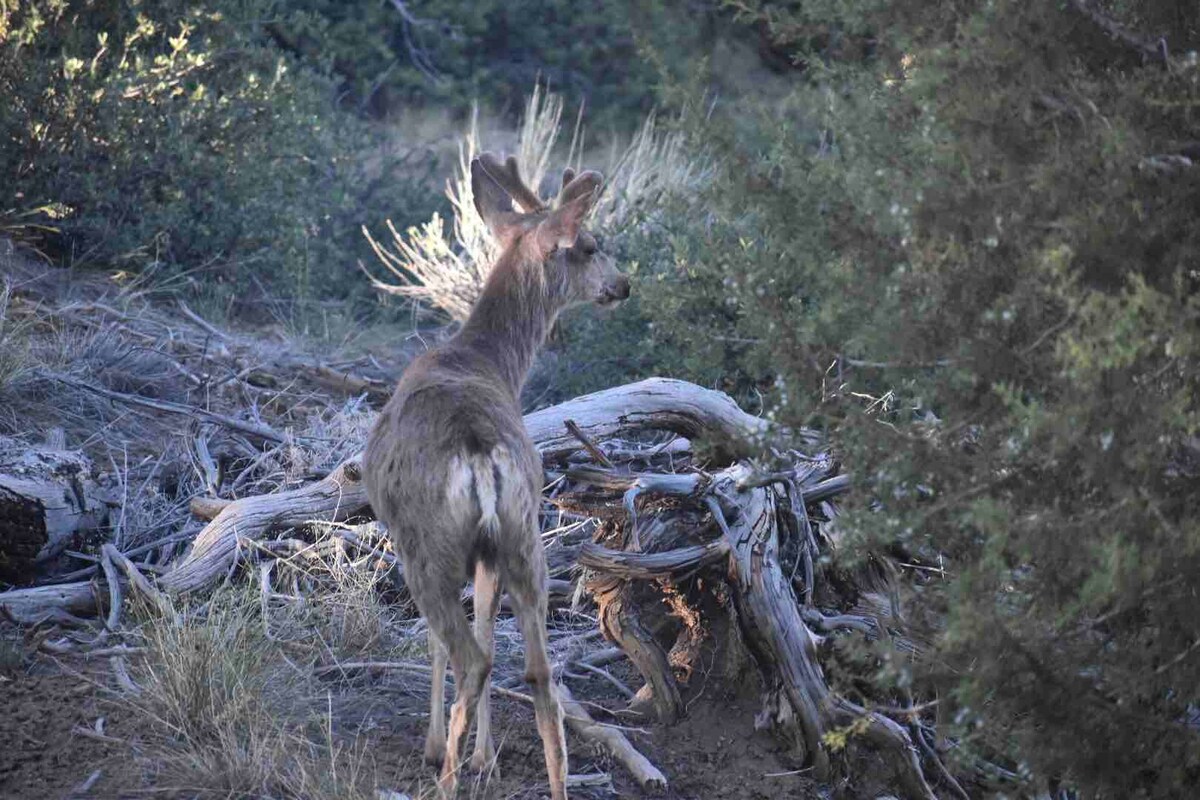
(174, 134)
(460, 51)
(969, 251)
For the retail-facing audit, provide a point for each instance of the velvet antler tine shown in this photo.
(508, 175)
(585, 183)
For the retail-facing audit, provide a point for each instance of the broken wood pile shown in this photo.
(687, 560)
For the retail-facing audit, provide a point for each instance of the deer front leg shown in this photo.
(435, 738)
(487, 604)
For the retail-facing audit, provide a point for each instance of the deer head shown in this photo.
(553, 240)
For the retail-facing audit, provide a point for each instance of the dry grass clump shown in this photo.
(14, 343)
(448, 272)
(333, 596)
(235, 707)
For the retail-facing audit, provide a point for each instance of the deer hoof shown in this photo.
(484, 760)
(435, 753)
(448, 784)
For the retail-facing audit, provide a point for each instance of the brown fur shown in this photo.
(451, 470)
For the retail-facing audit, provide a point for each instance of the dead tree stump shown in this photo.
(47, 497)
(738, 547)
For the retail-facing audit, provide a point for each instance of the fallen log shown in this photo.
(48, 496)
(652, 404)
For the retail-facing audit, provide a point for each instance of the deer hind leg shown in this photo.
(487, 604)
(527, 589)
(435, 739)
(438, 599)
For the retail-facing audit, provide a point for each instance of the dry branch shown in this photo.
(649, 566)
(253, 429)
(739, 548)
(1149, 48)
(771, 619)
(576, 716)
(744, 506)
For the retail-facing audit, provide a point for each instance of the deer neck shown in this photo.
(511, 319)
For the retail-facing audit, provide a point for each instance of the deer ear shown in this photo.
(575, 201)
(561, 228)
(492, 202)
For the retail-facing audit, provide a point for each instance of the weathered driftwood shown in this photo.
(47, 497)
(623, 619)
(651, 404)
(740, 545)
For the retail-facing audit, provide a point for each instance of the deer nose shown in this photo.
(621, 291)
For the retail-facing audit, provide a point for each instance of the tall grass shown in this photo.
(14, 343)
(231, 693)
(447, 272)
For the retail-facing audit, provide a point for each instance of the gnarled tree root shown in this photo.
(769, 616)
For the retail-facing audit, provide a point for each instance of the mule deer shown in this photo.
(451, 470)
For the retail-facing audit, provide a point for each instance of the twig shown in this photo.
(84, 788)
(592, 779)
(80, 730)
(255, 464)
(118, 650)
(377, 666)
(110, 553)
(620, 687)
(261, 431)
(122, 675)
(1148, 48)
(350, 538)
(594, 451)
(932, 756)
(826, 489)
(1177, 659)
(203, 323)
(115, 597)
(646, 774)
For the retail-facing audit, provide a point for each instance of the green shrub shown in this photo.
(970, 253)
(458, 51)
(174, 134)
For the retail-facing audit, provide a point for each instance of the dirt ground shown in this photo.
(41, 753)
(715, 752)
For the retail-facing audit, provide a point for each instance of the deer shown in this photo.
(451, 470)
